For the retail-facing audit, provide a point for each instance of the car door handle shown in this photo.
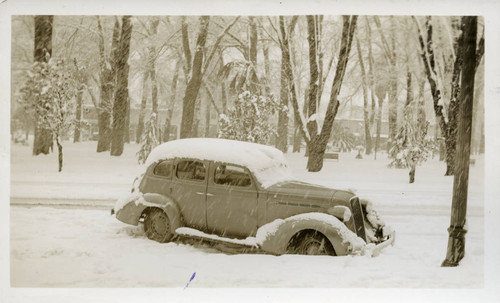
(210, 195)
(200, 193)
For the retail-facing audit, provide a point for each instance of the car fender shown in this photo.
(277, 241)
(169, 206)
(133, 210)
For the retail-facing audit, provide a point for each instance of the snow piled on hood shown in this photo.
(265, 162)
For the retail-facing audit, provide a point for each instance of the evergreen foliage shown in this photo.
(149, 139)
(342, 138)
(412, 146)
(250, 119)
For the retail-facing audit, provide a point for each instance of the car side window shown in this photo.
(164, 169)
(226, 174)
(190, 170)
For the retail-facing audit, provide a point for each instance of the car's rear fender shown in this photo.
(132, 211)
(277, 242)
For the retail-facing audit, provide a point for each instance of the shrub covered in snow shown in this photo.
(249, 119)
(48, 95)
(412, 146)
(149, 139)
(343, 138)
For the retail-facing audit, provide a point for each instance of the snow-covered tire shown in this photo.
(311, 243)
(157, 226)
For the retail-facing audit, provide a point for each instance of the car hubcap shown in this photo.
(314, 247)
(159, 225)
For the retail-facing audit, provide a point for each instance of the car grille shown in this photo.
(359, 221)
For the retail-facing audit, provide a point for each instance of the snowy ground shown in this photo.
(78, 244)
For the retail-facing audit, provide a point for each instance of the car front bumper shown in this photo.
(390, 239)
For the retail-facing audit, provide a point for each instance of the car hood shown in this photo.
(298, 190)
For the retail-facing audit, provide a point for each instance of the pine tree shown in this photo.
(149, 139)
(412, 146)
(249, 119)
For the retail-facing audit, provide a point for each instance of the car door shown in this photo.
(231, 201)
(189, 188)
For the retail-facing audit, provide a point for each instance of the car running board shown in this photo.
(226, 245)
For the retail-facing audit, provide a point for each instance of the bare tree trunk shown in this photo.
(151, 74)
(189, 101)
(267, 71)
(412, 173)
(364, 84)
(318, 144)
(171, 106)
(107, 86)
(152, 67)
(427, 54)
(79, 99)
(409, 88)
(59, 153)
(312, 100)
(142, 111)
(393, 91)
(126, 133)
(456, 242)
(297, 138)
(207, 118)
(380, 92)
(319, 32)
(254, 81)
(371, 82)
(121, 103)
(42, 51)
(185, 44)
(78, 122)
(451, 127)
(286, 73)
(390, 54)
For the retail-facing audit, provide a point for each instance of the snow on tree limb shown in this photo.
(431, 74)
(216, 43)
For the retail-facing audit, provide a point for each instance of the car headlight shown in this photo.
(341, 212)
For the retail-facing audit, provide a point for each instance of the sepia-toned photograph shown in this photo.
(270, 150)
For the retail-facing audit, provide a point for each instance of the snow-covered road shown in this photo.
(90, 248)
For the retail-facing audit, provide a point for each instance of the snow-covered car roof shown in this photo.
(267, 163)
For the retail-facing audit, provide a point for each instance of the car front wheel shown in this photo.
(312, 243)
(157, 226)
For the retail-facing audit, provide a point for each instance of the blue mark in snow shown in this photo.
(191, 279)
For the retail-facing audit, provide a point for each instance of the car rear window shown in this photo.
(190, 170)
(231, 175)
(164, 169)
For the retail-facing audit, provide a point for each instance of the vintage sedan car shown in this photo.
(242, 194)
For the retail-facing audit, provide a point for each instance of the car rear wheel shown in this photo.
(157, 226)
(312, 243)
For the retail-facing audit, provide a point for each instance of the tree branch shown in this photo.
(211, 97)
(185, 43)
(216, 44)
